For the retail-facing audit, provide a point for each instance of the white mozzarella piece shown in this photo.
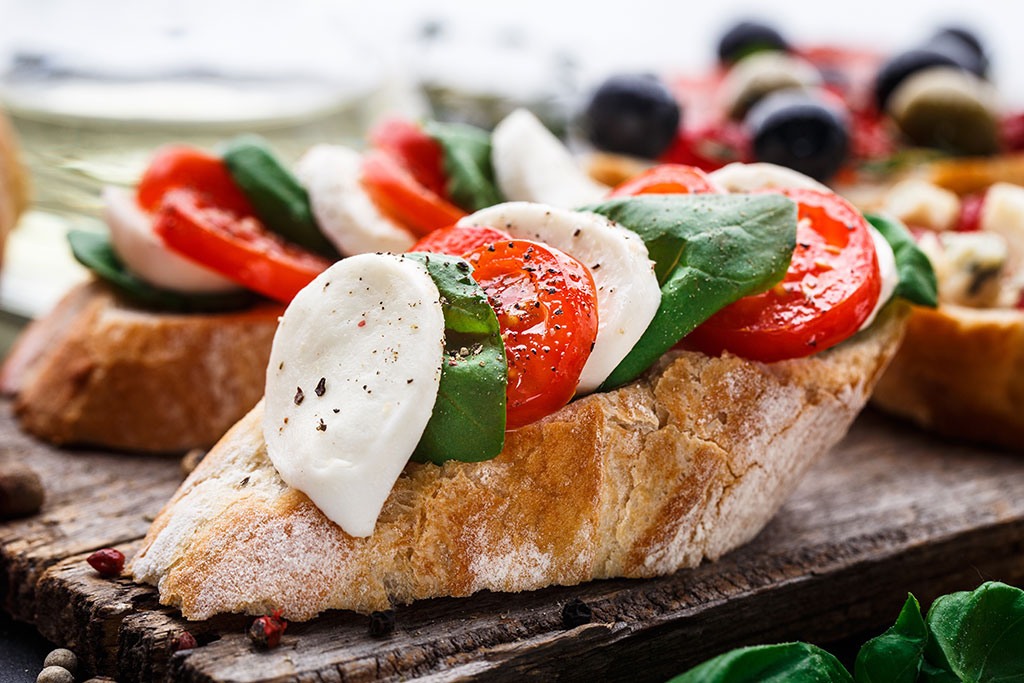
(352, 379)
(146, 255)
(348, 217)
(628, 294)
(918, 202)
(887, 269)
(532, 165)
(740, 177)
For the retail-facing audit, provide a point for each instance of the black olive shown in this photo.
(896, 70)
(799, 130)
(963, 46)
(965, 36)
(746, 37)
(632, 114)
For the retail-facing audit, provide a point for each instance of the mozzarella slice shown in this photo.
(349, 218)
(146, 255)
(352, 379)
(628, 294)
(887, 269)
(740, 177)
(532, 165)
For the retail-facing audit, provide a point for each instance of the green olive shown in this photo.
(760, 74)
(947, 109)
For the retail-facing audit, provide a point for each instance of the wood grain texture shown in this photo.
(890, 510)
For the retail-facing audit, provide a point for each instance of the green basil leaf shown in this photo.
(783, 663)
(917, 277)
(467, 163)
(896, 655)
(468, 422)
(709, 250)
(94, 251)
(276, 196)
(977, 635)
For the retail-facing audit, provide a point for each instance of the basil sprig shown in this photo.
(280, 202)
(94, 251)
(782, 663)
(709, 251)
(467, 163)
(896, 655)
(970, 636)
(468, 422)
(917, 277)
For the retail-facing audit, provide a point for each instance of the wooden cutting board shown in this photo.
(890, 510)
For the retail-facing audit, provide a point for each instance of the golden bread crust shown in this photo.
(960, 372)
(98, 371)
(686, 463)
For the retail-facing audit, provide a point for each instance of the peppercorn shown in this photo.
(184, 641)
(108, 561)
(265, 632)
(63, 658)
(21, 492)
(382, 623)
(575, 613)
(55, 674)
(191, 460)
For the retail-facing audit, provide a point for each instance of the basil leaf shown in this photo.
(896, 655)
(977, 635)
(467, 163)
(709, 250)
(786, 662)
(94, 251)
(280, 202)
(468, 422)
(917, 277)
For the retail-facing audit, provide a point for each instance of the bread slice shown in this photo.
(102, 372)
(960, 372)
(686, 463)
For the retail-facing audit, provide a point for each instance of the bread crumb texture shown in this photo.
(686, 463)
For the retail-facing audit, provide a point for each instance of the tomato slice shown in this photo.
(182, 167)
(398, 195)
(240, 248)
(668, 179)
(546, 303)
(419, 153)
(831, 287)
(457, 241)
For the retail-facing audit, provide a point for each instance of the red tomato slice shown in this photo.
(831, 287)
(241, 249)
(668, 179)
(182, 167)
(547, 310)
(397, 194)
(419, 153)
(456, 241)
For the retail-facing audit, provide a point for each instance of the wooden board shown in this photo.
(890, 510)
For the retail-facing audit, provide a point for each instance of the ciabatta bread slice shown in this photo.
(686, 463)
(960, 372)
(99, 371)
